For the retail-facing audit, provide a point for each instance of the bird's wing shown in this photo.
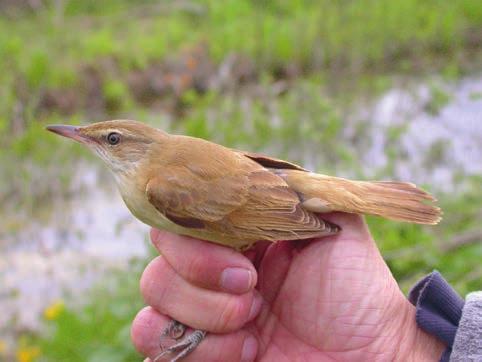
(274, 211)
(247, 201)
(190, 199)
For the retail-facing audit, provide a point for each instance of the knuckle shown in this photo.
(140, 326)
(146, 279)
(159, 237)
(196, 268)
(233, 315)
(153, 282)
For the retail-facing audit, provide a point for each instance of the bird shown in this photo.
(194, 187)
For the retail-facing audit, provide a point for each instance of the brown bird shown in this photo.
(194, 187)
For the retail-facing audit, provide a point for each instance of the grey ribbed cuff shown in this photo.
(468, 339)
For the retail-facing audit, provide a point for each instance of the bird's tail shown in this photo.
(393, 200)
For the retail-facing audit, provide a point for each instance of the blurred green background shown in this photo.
(365, 89)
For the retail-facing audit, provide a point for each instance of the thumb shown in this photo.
(353, 226)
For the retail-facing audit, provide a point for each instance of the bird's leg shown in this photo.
(183, 347)
(174, 330)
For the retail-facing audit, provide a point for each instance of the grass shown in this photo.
(52, 47)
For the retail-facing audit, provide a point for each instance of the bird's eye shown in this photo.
(113, 138)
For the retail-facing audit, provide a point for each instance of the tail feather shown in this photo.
(390, 199)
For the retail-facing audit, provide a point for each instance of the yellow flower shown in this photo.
(3, 347)
(27, 354)
(53, 310)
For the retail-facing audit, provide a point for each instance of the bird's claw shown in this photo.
(183, 347)
(174, 330)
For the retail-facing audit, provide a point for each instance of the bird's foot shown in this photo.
(174, 330)
(185, 346)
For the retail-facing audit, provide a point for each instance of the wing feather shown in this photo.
(183, 194)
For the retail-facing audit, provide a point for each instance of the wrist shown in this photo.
(418, 345)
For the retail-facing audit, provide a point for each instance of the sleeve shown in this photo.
(441, 312)
(468, 339)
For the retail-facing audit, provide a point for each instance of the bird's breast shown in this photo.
(136, 201)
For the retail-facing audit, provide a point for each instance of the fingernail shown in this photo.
(250, 348)
(236, 280)
(256, 306)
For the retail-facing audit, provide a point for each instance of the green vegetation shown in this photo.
(100, 332)
(273, 76)
(55, 48)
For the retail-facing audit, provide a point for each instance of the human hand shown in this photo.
(327, 299)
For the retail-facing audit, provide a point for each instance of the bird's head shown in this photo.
(122, 144)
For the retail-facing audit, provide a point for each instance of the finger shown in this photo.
(256, 253)
(149, 324)
(199, 308)
(206, 264)
(273, 269)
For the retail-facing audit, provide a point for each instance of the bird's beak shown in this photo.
(69, 132)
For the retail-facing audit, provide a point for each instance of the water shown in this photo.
(93, 233)
(456, 127)
(85, 237)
